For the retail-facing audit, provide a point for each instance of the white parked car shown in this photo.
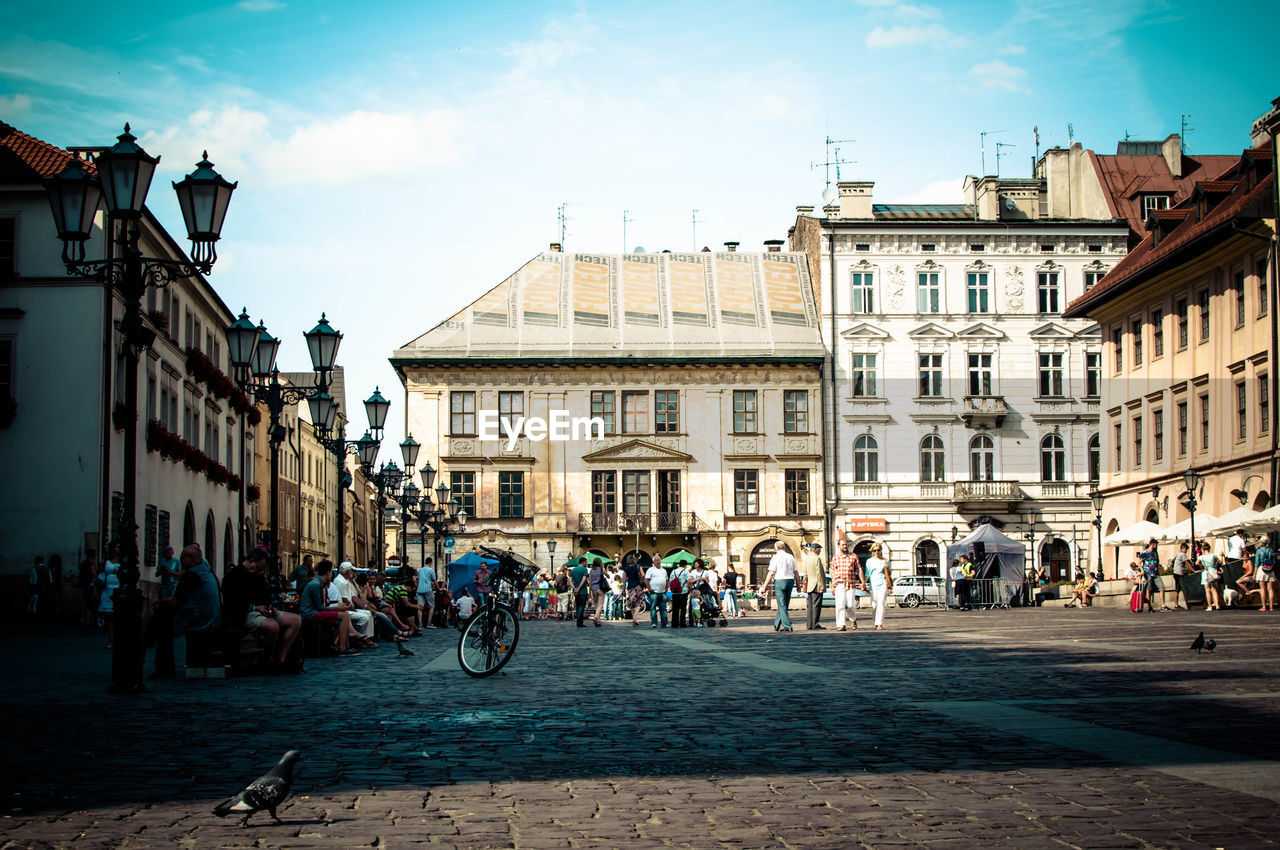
(914, 591)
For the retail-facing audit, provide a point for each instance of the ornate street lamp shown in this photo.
(375, 408)
(409, 453)
(204, 195)
(1191, 479)
(551, 554)
(1097, 498)
(119, 181)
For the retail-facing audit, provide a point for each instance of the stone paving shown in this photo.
(1022, 729)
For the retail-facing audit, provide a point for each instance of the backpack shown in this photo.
(1266, 558)
(675, 585)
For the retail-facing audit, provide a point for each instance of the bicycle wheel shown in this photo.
(488, 641)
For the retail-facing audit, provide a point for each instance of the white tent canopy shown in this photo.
(1182, 530)
(1004, 558)
(1268, 520)
(1226, 524)
(1138, 533)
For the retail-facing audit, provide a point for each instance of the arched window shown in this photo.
(1095, 458)
(228, 547)
(210, 540)
(932, 463)
(866, 459)
(189, 526)
(927, 558)
(982, 458)
(1053, 458)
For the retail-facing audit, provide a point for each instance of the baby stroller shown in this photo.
(710, 612)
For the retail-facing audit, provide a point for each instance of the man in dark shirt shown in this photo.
(302, 574)
(248, 605)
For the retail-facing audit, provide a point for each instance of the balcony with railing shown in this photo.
(685, 522)
(986, 494)
(984, 411)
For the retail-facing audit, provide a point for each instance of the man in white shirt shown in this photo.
(1236, 552)
(656, 579)
(466, 606)
(783, 571)
(427, 592)
(343, 593)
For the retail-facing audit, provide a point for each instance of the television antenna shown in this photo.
(562, 217)
(983, 138)
(626, 219)
(1187, 127)
(696, 222)
(833, 158)
(1000, 152)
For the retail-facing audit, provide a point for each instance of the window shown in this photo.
(930, 375)
(510, 494)
(1047, 248)
(666, 410)
(979, 291)
(1047, 292)
(1053, 459)
(462, 486)
(862, 247)
(1135, 329)
(1203, 297)
(928, 293)
(1117, 348)
(635, 413)
(510, 408)
(1242, 410)
(151, 395)
(1150, 203)
(982, 458)
(1095, 249)
(932, 459)
(1137, 442)
(1092, 374)
(1095, 458)
(669, 500)
(1051, 375)
(190, 325)
(462, 414)
(635, 492)
(746, 492)
(977, 247)
(928, 247)
(866, 459)
(795, 412)
(1264, 405)
(1184, 322)
(744, 412)
(864, 375)
(797, 492)
(1157, 434)
(863, 293)
(8, 244)
(1157, 333)
(1264, 294)
(602, 408)
(1237, 292)
(1092, 277)
(980, 374)
(1117, 440)
(604, 492)
(1182, 428)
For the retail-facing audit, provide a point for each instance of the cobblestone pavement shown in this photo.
(1019, 729)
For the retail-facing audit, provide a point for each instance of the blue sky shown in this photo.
(397, 159)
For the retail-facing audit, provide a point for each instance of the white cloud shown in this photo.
(260, 5)
(939, 192)
(1000, 75)
(907, 10)
(561, 38)
(195, 63)
(1014, 50)
(13, 107)
(901, 36)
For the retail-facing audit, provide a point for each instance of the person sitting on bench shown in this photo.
(248, 606)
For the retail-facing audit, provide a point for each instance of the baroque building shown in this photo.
(702, 375)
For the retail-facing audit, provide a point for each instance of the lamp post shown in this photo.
(253, 357)
(120, 181)
(551, 555)
(375, 408)
(1097, 498)
(1191, 479)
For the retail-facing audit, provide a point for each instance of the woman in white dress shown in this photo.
(881, 581)
(110, 578)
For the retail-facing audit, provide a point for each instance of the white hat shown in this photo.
(346, 565)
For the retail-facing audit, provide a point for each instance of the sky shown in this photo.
(396, 160)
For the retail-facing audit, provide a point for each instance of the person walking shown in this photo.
(1179, 566)
(656, 579)
(599, 587)
(1264, 566)
(678, 582)
(427, 592)
(881, 581)
(814, 580)
(109, 582)
(1149, 558)
(847, 578)
(783, 571)
(731, 593)
(1209, 574)
(634, 580)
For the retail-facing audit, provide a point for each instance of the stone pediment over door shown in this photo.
(634, 450)
(982, 330)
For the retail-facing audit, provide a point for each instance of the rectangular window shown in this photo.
(462, 414)
(1182, 429)
(1137, 442)
(795, 412)
(635, 413)
(635, 492)
(8, 247)
(744, 412)
(979, 292)
(190, 326)
(864, 375)
(1150, 203)
(666, 411)
(1092, 374)
(928, 247)
(980, 382)
(510, 494)
(797, 492)
(602, 408)
(977, 247)
(604, 492)
(1117, 440)
(1117, 348)
(1237, 292)
(1135, 328)
(1157, 333)
(1204, 422)
(1047, 292)
(1242, 410)
(1157, 434)
(462, 486)
(746, 492)
(150, 554)
(928, 293)
(1264, 294)
(1184, 322)
(510, 408)
(863, 292)
(1203, 297)
(1264, 405)
(862, 247)
(1092, 277)
(930, 375)
(151, 394)
(1051, 375)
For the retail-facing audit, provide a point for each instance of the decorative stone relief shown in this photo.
(463, 448)
(796, 445)
(1013, 289)
(897, 288)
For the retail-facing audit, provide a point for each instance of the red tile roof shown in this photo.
(1126, 178)
(26, 159)
(1148, 257)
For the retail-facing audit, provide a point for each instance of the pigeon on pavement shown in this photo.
(266, 792)
(1198, 643)
(404, 653)
(1210, 644)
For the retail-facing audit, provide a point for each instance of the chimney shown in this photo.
(555, 247)
(855, 198)
(731, 247)
(1172, 150)
(773, 246)
(804, 210)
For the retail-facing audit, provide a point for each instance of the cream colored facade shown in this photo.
(711, 442)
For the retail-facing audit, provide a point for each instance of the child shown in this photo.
(466, 606)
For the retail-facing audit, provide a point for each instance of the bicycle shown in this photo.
(489, 638)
